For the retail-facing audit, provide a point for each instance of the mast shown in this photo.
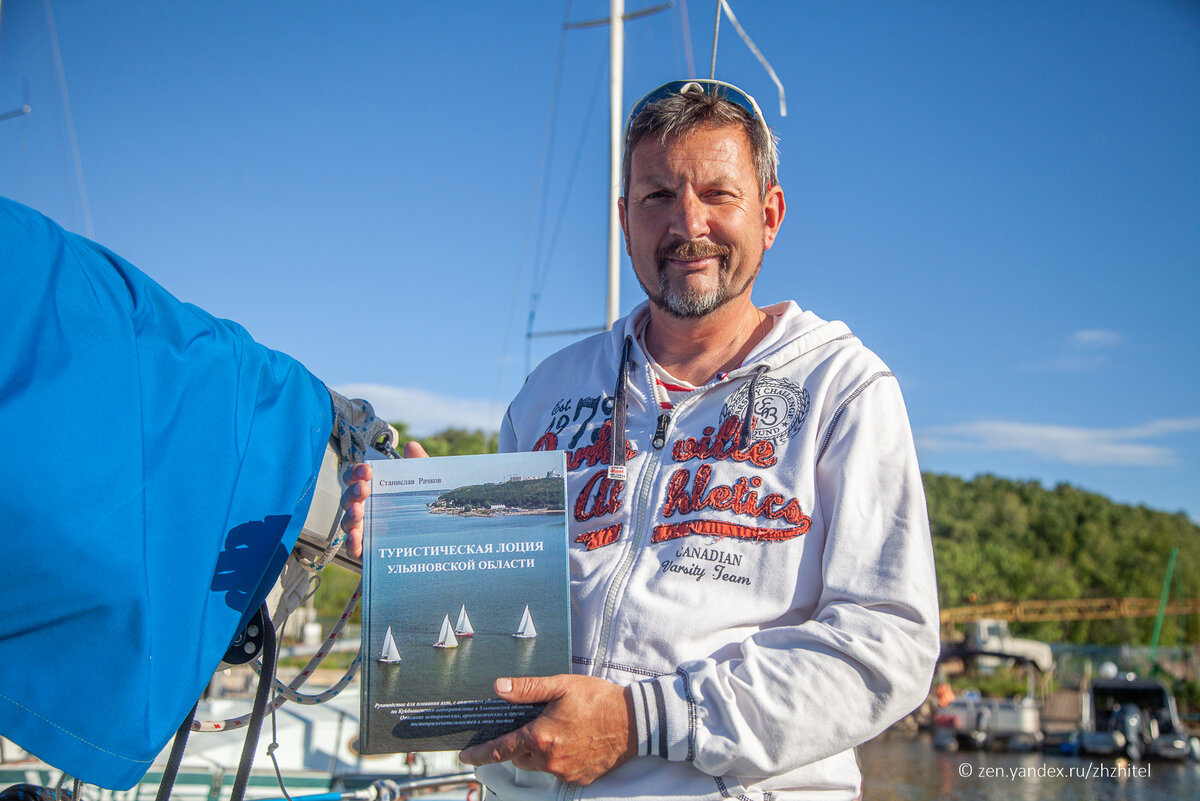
(616, 78)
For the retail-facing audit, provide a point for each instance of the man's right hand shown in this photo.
(358, 489)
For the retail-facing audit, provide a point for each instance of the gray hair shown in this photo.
(681, 114)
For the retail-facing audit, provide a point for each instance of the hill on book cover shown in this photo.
(465, 580)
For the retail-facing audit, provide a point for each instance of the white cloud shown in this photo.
(425, 412)
(1084, 349)
(1072, 444)
(1095, 338)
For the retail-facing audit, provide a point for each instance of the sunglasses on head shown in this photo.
(706, 86)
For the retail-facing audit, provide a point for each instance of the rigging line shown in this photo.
(66, 98)
(687, 38)
(580, 147)
(538, 194)
(632, 15)
(540, 277)
(20, 112)
(712, 68)
(757, 54)
(551, 145)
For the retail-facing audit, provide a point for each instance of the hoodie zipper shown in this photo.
(645, 482)
(616, 588)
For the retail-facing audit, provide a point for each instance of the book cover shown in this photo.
(465, 580)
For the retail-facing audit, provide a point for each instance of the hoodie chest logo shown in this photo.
(780, 408)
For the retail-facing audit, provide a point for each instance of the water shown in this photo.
(897, 767)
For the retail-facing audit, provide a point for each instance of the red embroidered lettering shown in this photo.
(720, 528)
(793, 514)
(774, 499)
(721, 498)
(761, 453)
(607, 497)
(677, 495)
(600, 537)
(740, 498)
(703, 474)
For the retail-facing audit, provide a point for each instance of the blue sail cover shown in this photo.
(156, 466)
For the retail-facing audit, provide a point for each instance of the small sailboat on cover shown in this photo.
(526, 631)
(390, 654)
(446, 638)
(463, 627)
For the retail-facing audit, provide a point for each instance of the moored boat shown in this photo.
(1132, 717)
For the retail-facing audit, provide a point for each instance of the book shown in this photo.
(465, 580)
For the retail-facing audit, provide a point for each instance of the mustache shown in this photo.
(687, 249)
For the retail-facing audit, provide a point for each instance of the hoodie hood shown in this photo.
(794, 333)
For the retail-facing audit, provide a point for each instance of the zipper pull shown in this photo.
(660, 434)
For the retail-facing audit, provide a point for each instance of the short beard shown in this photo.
(687, 304)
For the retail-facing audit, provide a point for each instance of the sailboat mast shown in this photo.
(616, 78)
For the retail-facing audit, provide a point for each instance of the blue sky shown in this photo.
(1001, 198)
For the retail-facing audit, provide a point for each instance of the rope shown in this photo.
(712, 68)
(687, 38)
(288, 692)
(270, 653)
(753, 49)
(337, 535)
(173, 761)
(72, 137)
(271, 749)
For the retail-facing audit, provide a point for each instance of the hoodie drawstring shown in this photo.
(747, 435)
(616, 458)
(616, 461)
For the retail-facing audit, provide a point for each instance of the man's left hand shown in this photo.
(585, 730)
(357, 479)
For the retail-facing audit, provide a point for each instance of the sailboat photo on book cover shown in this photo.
(464, 581)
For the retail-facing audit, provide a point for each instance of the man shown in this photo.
(751, 572)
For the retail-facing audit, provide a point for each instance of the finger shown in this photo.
(354, 542)
(352, 524)
(414, 450)
(352, 519)
(359, 471)
(500, 749)
(529, 689)
(356, 493)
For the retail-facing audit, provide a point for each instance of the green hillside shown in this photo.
(1000, 540)
(530, 493)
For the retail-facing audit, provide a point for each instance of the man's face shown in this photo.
(695, 226)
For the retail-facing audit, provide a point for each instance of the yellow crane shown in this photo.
(1068, 609)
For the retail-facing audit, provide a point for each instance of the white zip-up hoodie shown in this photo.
(768, 589)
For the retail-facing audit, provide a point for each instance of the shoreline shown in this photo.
(459, 512)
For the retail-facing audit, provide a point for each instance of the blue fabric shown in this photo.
(156, 465)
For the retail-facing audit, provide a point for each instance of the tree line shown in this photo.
(533, 493)
(996, 539)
